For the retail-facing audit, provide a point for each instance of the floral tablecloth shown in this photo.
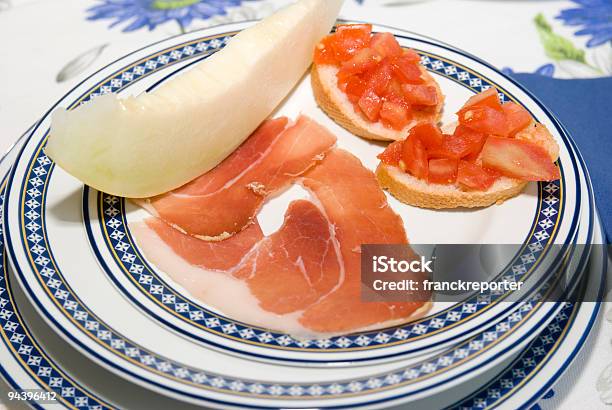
(48, 46)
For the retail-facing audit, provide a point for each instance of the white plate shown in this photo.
(48, 245)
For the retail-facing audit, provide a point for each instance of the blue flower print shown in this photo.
(150, 13)
(595, 17)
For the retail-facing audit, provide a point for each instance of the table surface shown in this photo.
(48, 46)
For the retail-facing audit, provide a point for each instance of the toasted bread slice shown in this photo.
(416, 192)
(336, 105)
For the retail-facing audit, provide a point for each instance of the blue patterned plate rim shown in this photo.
(541, 353)
(25, 350)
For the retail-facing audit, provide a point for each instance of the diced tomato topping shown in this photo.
(414, 158)
(519, 159)
(493, 172)
(488, 98)
(418, 94)
(363, 31)
(406, 70)
(429, 134)
(518, 118)
(485, 113)
(394, 88)
(386, 45)
(354, 88)
(394, 115)
(361, 62)
(411, 56)
(373, 69)
(472, 176)
(370, 104)
(485, 120)
(442, 171)
(473, 140)
(397, 98)
(392, 154)
(476, 154)
(324, 53)
(349, 39)
(463, 143)
(379, 78)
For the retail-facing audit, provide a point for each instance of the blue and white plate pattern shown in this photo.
(64, 281)
(24, 363)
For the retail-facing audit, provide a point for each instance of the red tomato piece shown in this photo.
(414, 158)
(397, 99)
(460, 145)
(406, 70)
(518, 118)
(489, 98)
(442, 171)
(364, 60)
(370, 104)
(418, 94)
(324, 52)
(472, 176)
(386, 45)
(411, 56)
(359, 29)
(473, 140)
(392, 154)
(354, 88)
(429, 134)
(484, 119)
(378, 78)
(519, 159)
(493, 172)
(394, 115)
(394, 89)
(394, 92)
(349, 39)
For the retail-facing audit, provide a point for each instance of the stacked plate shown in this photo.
(113, 323)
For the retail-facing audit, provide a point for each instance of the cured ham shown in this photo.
(217, 256)
(222, 202)
(287, 271)
(296, 266)
(307, 273)
(358, 209)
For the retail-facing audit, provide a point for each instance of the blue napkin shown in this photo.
(584, 108)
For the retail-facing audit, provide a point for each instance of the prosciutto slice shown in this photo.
(358, 209)
(222, 202)
(296, 266)
(309, 270)
(217, 256)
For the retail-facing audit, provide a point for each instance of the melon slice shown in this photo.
(145, 145)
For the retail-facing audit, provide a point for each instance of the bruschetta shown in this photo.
(371, 86)
(494, 151)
